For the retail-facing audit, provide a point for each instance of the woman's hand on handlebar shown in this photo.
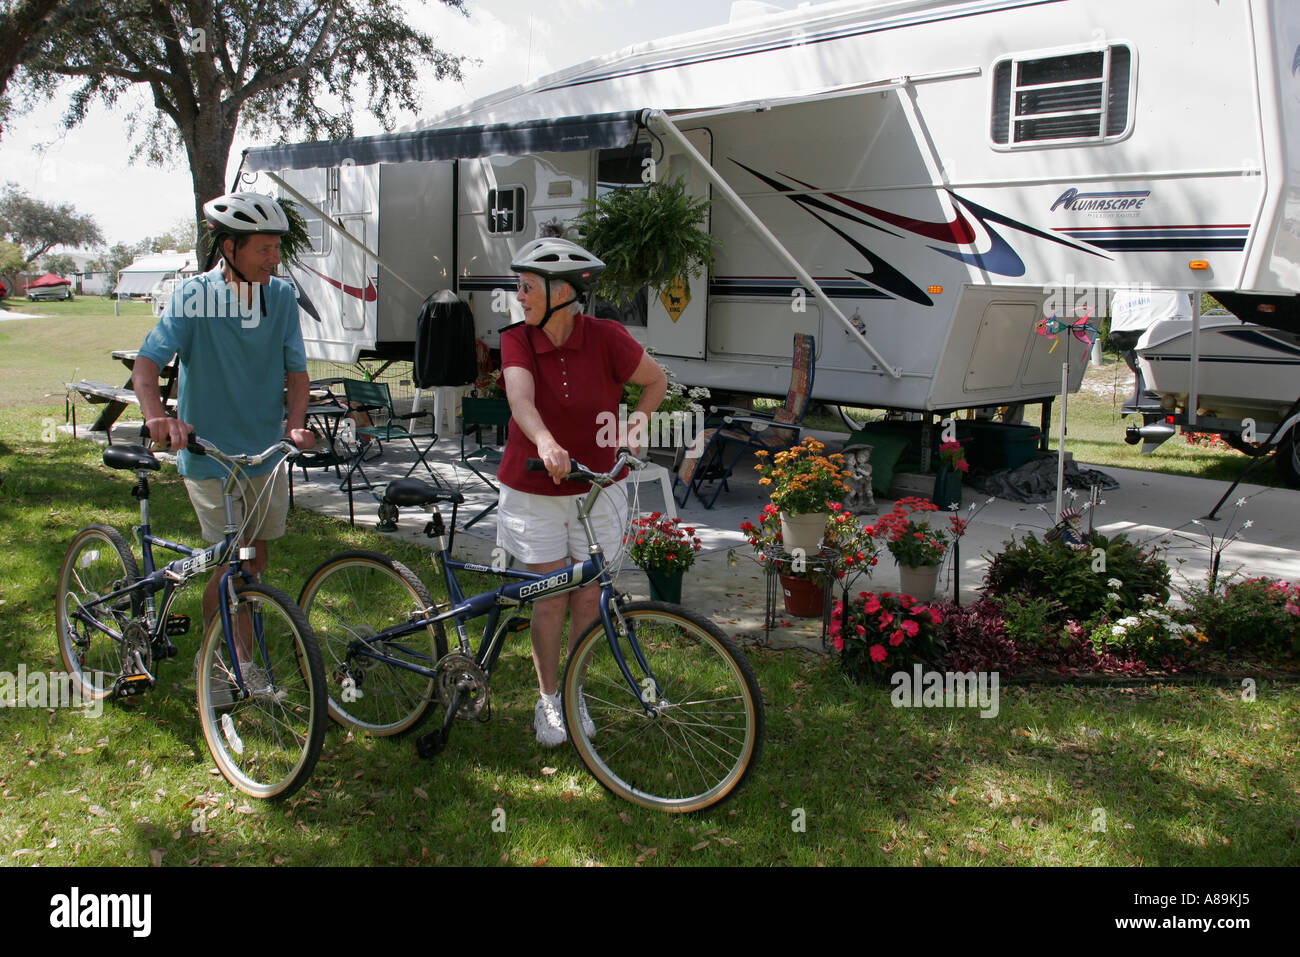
(556, 460)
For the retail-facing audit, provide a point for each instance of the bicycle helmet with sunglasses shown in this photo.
(554, 258)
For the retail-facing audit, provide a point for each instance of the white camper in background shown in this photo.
(911, 181)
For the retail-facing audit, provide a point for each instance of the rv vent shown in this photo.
(1051, 101)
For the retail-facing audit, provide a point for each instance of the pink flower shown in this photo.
(909, 628)
(963, 466)
(862, 632)
(896, 638)
(886, 619)
(878, 653)
(872, 605)
(837, 642)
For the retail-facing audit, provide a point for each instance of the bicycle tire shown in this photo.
(356, 594)
(97, 563)
(266, 744)
(706, 730)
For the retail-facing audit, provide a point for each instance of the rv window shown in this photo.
(1050, 101)
(621, 167)
(505, 210)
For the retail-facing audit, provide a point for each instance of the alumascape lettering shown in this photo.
(1078, 202)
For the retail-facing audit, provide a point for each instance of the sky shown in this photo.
(514, 41)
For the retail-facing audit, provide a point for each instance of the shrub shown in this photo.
(1152, 636)
(975, 639)
(1041, 569)
(881, 633)
(1030, 621)
(1259, 613)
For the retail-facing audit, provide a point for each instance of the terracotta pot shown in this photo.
(665, 586)
(803, 531)
(918, 582)
(803, 598)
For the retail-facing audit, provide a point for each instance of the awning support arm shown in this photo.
(338, 228)
(659, 122)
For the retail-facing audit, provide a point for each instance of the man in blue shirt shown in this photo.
(235, 330)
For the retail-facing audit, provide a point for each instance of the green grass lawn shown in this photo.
(1177, 775)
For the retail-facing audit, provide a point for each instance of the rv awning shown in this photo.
(139, 283)
(567, 134)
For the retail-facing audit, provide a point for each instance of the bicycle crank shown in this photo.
(460, 679)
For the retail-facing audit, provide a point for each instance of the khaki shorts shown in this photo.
(270, 506)
(544, 528)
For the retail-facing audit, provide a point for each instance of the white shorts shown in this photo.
(268, 519)
(537, 529)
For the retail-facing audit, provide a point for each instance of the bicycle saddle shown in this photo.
(130, 457)
(415, 492)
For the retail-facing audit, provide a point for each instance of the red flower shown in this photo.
(878, 653)
(837, 642)
(896, 638)
(886, 619)
(910, 628)
(872, 605)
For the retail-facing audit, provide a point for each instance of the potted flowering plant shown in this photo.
(917, 548)
(664, 549)
(803, 588)
(802, 485)
(947, 484)
(876, 634)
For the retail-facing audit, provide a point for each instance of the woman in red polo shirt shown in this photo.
(562, 370)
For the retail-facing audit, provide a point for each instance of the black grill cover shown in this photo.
(444, 342)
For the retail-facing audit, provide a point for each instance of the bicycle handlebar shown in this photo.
(580, 473)
(200, 446)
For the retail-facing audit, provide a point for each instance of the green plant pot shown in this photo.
(665, 586)
(947, 488)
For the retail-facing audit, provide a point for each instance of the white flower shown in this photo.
(1118, 630)
(1114, 583)
(1240, 502)
(1131, 621)
(1247, 523)
(1113, 596)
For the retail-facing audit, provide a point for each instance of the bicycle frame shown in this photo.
(529, 587)
(170, 578)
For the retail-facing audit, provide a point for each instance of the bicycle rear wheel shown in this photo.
(265, 743)
(690, 733)
(97, 563)
(348, 600)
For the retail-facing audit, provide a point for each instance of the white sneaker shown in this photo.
(548, 721)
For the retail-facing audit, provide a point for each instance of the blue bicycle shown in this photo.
(659, 704)
(261, 685)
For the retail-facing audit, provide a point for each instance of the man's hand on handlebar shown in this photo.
(304, 439)
(169, 432)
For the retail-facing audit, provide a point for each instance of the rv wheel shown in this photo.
(1288, 458)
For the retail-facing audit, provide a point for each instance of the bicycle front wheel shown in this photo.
(684, 735)
(349, 600)
(266, 736)
(96, 564)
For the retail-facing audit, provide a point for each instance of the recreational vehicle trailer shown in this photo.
(916, 182)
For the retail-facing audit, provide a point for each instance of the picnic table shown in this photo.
(115, 399)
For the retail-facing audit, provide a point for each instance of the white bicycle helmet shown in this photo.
(245, 214)
(554, 258)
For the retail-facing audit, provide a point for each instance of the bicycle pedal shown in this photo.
(176, 626)
(430, 745)
(129, 685)
(520, 624)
